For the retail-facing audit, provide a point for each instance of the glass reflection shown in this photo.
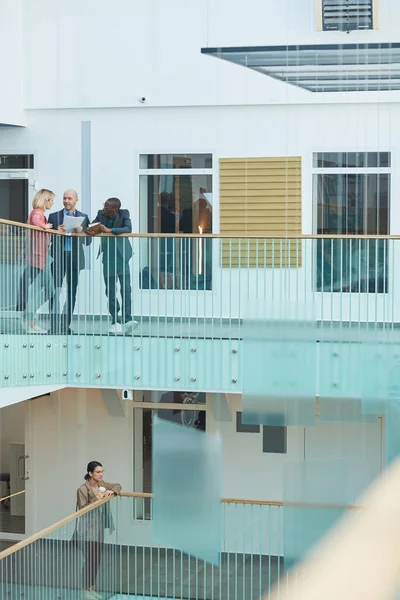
(176, 204)
(352, 204)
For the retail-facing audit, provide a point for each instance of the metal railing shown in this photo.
(79, 552)
(358, 559)
(93, 312)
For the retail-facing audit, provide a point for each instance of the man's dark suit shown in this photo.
(116, 253)
(67, 263)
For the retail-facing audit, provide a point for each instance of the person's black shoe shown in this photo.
(60, 331)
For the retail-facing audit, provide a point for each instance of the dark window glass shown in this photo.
(275, 439)
(16, 161)
(351, 160)
(174, 204)
(14, 200)
(187, 418)
(243, 428)
(176, 161)
(352, 204)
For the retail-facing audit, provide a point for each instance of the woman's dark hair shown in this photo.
(91, 467)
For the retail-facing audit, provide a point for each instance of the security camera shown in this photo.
(127, 394)
(143, 99)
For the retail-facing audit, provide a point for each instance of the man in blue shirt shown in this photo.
(68, 260)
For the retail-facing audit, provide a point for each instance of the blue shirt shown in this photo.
(67, 245)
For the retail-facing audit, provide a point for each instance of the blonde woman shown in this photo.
(41, 286)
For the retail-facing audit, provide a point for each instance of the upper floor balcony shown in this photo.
(170, 312)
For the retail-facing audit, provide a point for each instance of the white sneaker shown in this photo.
(35, 329)
(130, 326)
(90, 595)
(115, 328)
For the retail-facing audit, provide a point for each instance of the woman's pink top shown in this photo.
(39, 242)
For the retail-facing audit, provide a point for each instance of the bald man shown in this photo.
(68, 261)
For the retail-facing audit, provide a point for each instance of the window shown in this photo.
(243, 427)
(352, 197)
(16, 161)
(176, 197)
(347, 15)
(274, 439)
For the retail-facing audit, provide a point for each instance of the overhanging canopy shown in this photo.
(322, 68)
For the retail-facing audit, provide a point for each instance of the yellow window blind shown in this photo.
(260, 196)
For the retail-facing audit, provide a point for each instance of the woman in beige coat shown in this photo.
(91, 526)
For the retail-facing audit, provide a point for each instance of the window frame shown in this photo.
(178, 172)
(211, 172)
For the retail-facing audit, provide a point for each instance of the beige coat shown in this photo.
(85, 494)
(91, 526)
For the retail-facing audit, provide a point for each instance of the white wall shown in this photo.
(101, 54)
(9, 396)
(12, 431)
(11, 52)
(68, 429)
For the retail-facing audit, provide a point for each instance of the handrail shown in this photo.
(360, 557)
(234, 236)
(145, 495)
(11, 496)
(261, 502)
(47, 530)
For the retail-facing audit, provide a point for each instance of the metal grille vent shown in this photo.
(347, 15)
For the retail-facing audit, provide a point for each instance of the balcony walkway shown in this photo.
(195, 328)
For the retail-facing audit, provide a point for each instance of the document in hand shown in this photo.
(94, 229)
(71, 222)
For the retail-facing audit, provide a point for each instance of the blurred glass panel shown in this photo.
(279, 365)
(375, 357)
(352, 204)
(340, 366)
(393, 413)
(341, 410)
(187, 490)
(316, 494)
(353, 372)
(220, 407)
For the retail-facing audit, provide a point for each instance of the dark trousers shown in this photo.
(112, 273)
(22, 292)
(65, 267)
(93, 555)
(27, 277)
